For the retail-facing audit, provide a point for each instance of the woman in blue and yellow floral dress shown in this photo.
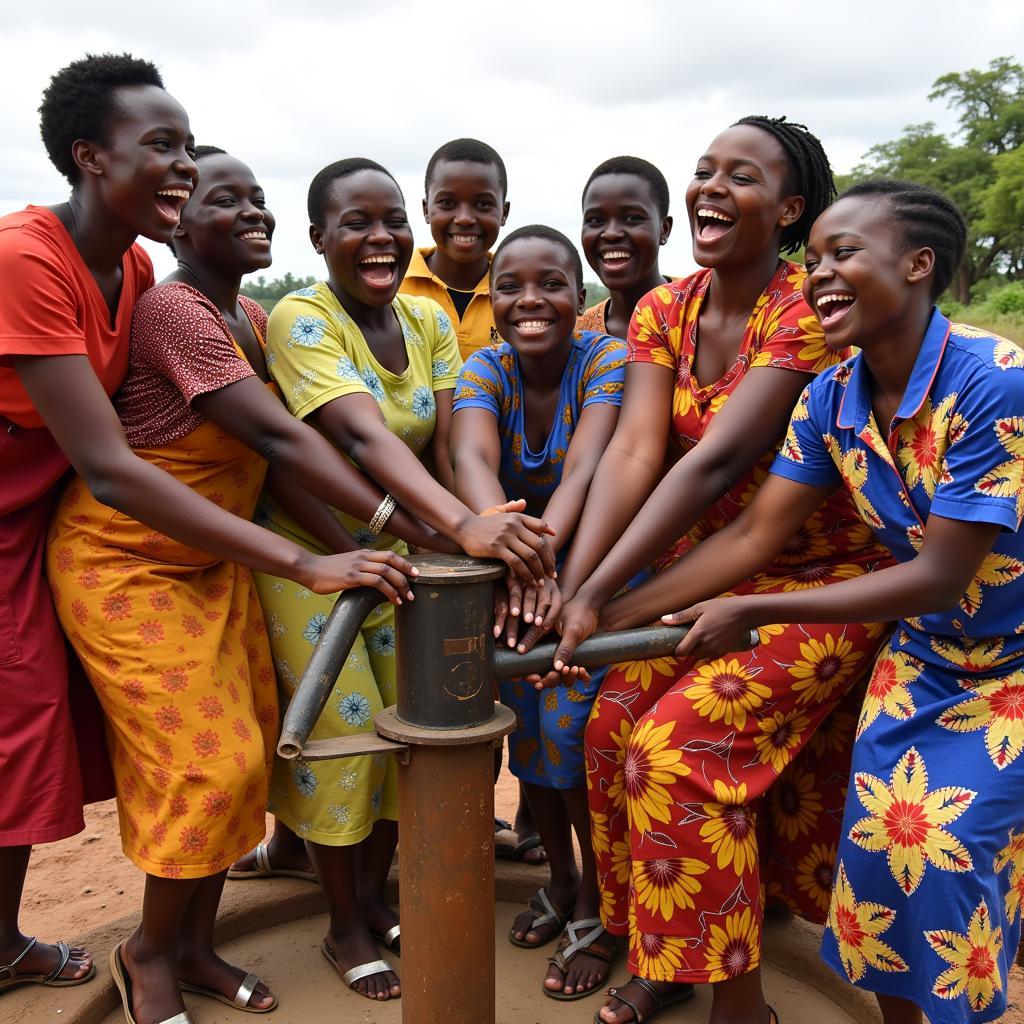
(925, 428)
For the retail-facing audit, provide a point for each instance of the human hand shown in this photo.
(541, 608)
(717, 627)
(520, 541)
(385, 570)
(577, 621)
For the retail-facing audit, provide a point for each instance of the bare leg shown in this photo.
(898, 1011)
(151, 953)
(586, 971)
(376, 853)
(284, 850)
(349, 936)
(41, 958)
(554, 828)
(198, 963)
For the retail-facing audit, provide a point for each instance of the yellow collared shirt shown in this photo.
(476, 329)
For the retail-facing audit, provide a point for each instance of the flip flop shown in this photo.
(9, 978)
(264, 869)
(544, 912)
(357, 973)
(391, 938)
(659, 1001)
(241, 998)
(124, 985)
(572, 943)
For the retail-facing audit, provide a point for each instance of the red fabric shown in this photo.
(181, 348)
(52, 306)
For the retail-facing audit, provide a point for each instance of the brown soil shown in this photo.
(84, 882)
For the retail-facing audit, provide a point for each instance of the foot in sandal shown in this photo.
(148, 985)
(275, 858)
(543, 919)
(206, 974)
(640, 1000)
(30, 962)
(581, 961)
(353, 954)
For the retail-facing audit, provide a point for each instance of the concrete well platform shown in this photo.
(274, 928)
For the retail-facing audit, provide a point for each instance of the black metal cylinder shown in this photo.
(445, 643)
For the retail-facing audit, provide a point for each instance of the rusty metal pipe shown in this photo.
(600, 649)
(328, 659)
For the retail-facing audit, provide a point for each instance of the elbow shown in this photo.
(109, 484)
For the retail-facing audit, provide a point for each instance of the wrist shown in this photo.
(299, 566)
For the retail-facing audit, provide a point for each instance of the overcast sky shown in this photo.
(556, 86)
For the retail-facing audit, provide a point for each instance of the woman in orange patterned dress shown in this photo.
(171, 636)
(680, 753)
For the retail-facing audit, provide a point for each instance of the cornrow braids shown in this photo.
(548, 234)
(812, 174)
(640, 168)
(316, 199)
(926, 218)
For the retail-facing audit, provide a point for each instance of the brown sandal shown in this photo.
(659, 1001)
(572, 943)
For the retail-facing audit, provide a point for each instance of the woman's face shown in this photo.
(366, 239)
(535, 295)
(623, 230)
(739, 201)
(226, 223)
(862, 277)
(144, 168)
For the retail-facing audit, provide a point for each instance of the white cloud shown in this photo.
(555, 86)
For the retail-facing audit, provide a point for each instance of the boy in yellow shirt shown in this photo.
(465, 205)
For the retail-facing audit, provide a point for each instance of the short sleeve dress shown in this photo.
(50, 306)
(317, 354)
(930, 873)
(546, 747)
(680, 754)
(172, 638)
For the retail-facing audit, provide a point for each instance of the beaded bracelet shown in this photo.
(382, 515)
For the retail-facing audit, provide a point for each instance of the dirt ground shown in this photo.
(84, 882)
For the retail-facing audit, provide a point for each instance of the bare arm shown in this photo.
(933, 581)
(629, 469)
(249, 412)
(78, 413)
(439, 443)
(355, 424)
(312, 514)
(476, 454)
(749, 424)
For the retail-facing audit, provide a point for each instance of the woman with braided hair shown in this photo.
(680, 752)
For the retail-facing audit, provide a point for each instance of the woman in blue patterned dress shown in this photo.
(532, 418)
(925, 428)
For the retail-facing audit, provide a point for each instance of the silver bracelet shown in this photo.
(755, 639)
(382, 515)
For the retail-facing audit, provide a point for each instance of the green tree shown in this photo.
(978, 170)
(269, 293)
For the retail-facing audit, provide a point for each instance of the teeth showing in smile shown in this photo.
(706, 214)
(533, 325)
(261, 235)
(614, 254)
(174, 193)
(465, 239)
(823, 302)
(377, 259)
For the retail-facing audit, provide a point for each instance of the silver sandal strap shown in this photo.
(550, 915)
(245, 990)
(8, 971)
(262, 860)
(391, 934)
(573, 928)
(65, 956)
(364, 971)
(180, 1018)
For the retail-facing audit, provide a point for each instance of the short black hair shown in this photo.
(812, 173)
(197, 155)
(640, 168)
(316, 199)
(926, 218)
(551, 235)
(79, 100)
(472, 150)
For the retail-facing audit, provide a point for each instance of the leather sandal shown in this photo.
(123, 982)
(659, 1001)
(572, 943)
(360, 971)
(9, 977)
(241, 998)
(545, 913)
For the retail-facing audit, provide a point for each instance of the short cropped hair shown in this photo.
(79, 101)
(471, 150)
(550, 235)
(316, 199)
(641, 169)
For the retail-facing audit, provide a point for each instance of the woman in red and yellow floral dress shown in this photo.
(680, 754)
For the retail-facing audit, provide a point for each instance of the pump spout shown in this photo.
(328, 659)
